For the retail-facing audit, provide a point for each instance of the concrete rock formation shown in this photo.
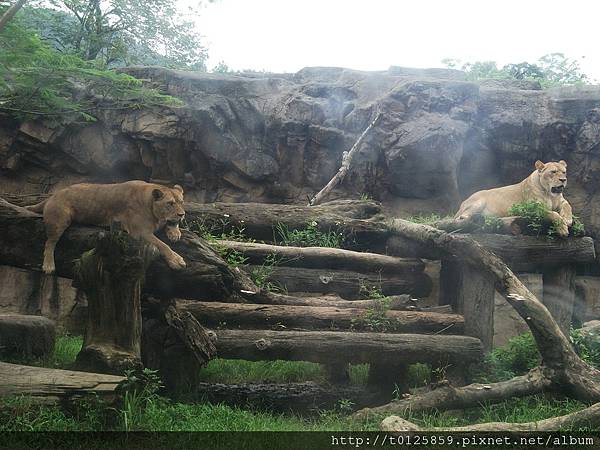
(280, 138)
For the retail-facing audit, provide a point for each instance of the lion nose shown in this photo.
(181, 215)
(563, 179)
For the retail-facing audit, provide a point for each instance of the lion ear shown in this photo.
(563, 162)
(539, 165)
(178, 188)
(157, 194)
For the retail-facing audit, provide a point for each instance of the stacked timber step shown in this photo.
(325, 318)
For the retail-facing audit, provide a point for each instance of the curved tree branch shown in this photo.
(561, 370)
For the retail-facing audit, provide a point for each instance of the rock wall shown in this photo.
(280, 138)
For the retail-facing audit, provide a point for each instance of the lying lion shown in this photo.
(546, 184)
(141, 208)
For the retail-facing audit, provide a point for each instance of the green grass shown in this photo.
(309, 236)
(241, 371)
(65, 351)
(146, 410)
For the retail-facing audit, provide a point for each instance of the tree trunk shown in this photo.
(325, 258)
(111, 275)
(10, 13)
(282, 317)
(329, 347)
(55, 386)
(206, 276)
(174, 343)
(349, 285)
(299, 398)
(394, 302)
(26, 336)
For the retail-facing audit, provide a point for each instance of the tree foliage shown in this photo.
(553, 69)
(36, 80)
(120, 32)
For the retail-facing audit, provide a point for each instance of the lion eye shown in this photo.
(172, 203)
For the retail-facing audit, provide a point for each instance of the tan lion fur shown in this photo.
(141, 208)
(545, 184)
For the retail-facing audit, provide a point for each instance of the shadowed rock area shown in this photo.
(280, 138)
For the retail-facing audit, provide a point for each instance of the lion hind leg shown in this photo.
(467, 212)
(57, 221)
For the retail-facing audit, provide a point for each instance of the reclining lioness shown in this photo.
(141, 208)
(545, 184)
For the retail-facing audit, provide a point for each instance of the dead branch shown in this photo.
(588, 417)
(345, 168)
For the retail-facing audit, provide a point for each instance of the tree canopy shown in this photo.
(36, 80)
(553, 69)
(119, 32)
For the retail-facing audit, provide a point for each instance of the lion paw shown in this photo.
(173, 233)
(176, 262)
(48, 267)
(563, 231)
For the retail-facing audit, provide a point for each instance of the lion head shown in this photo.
(553, 175)
(167, 204)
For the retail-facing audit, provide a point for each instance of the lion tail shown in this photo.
(38, 207)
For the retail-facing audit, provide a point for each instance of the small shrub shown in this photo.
(492, 224)
(587, 345)
(217, 230)
(534, 213)
(515, 358)
(310, 236)
(261, 275)
(577, 228)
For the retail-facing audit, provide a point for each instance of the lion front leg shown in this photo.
(566, 212)
(561, 223)
(174, 261)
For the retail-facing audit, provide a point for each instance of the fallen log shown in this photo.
(355, 348)
(587, 418)
(349, 285)
(359, 221)
(318, 318)
(402, 302)
(206, 276)
(300, 398)
(52, 385)
(521, 253)
(26, 336)
(175, 344)
(325, 258)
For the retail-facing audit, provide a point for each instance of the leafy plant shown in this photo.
(221, 229)
(535, 215)
(310, 236)
(38, 81)
(140, 391)
(577, 228)
(492, 224)
(262, 275)
(120, 32)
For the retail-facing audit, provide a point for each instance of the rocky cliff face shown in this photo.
(280, 138)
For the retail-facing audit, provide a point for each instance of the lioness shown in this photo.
(141, 208)
(545, 184)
